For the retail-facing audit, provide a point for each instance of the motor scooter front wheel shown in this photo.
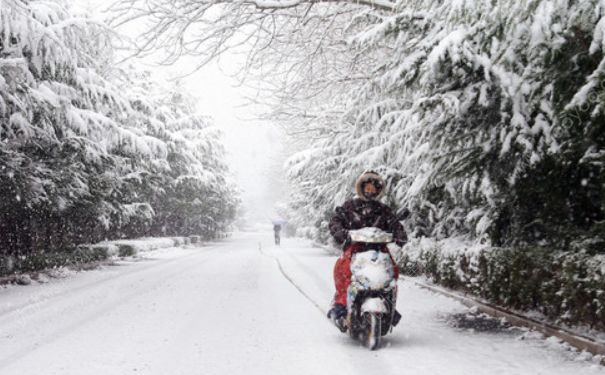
(372, 330)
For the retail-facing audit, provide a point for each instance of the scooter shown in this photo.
(372, 294)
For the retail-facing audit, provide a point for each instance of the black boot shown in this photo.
(338, 314)
(337, 311)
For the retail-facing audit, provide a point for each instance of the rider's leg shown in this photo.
(396, 315)
(342, 277)
(395, 268)
(342, 274)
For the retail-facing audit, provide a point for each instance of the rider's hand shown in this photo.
(341, 236)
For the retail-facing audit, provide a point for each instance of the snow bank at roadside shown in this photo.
(89, 256)
(135, 246)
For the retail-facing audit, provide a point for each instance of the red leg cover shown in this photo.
(395, 269)
(342, 274)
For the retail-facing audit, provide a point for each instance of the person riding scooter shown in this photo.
(362, 211)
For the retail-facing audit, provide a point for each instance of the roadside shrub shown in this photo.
(34, 262)
(38, 262)
(42, 261)
(126, 250)
(93, 253)
(565, 286)
(178, 241)
(83, 256)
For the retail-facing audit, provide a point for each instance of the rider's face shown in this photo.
(369, 188)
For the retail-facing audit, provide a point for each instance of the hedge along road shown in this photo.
(231, 308)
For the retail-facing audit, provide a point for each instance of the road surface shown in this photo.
(244, 306)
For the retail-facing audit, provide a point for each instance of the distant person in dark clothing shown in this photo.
(276, 230)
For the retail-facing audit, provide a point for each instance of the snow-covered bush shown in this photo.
(96, 252)
(566, 287)
(179, 241)
(127, 250)
(141, 244)
(36, 262)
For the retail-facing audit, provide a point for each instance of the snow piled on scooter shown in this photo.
(372, 267)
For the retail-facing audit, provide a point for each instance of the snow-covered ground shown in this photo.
(243, 306)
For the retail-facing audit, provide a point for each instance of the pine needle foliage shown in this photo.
(87, 153)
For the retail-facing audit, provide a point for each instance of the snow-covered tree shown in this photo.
(81, 159)
(189, 188)
(488, 120)
(485, 117)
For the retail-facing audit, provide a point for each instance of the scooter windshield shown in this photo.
(370, 235)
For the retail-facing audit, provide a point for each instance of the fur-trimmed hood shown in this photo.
(365, 177)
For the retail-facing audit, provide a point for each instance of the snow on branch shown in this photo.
(283, 4)
(207, 28)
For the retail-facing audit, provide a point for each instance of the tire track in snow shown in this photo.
(319, 281)
(291, 281)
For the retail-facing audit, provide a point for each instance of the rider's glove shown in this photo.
(341, 236)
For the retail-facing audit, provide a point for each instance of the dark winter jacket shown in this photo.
(358, 213)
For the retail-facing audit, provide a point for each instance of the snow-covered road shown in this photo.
(231, 308)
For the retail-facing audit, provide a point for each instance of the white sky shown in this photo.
(255, 149)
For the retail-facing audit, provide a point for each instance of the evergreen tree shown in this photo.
(85, 153)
